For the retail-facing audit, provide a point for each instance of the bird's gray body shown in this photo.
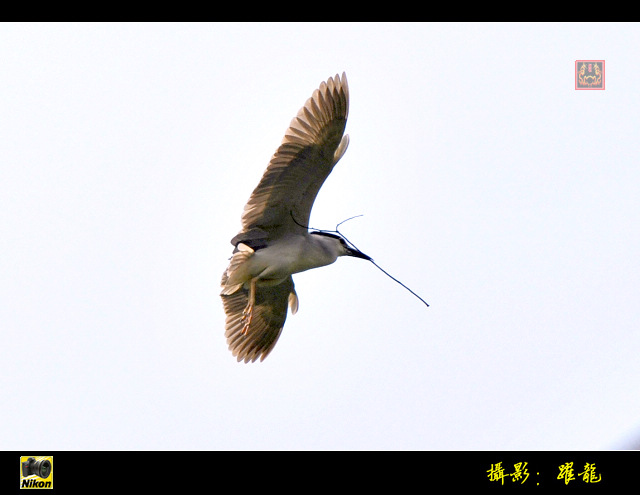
(274, 243)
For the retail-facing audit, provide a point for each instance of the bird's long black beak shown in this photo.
(357, 254)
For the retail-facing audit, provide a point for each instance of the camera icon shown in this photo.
(40, 468)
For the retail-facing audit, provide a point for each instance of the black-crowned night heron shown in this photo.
(274, 241)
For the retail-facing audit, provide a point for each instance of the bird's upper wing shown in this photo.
(311, 147)
(269, 315)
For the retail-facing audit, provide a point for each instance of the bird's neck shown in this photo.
(320, 249)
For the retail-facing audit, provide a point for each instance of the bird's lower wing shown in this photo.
(268, 316)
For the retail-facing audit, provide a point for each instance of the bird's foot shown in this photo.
(247, 314)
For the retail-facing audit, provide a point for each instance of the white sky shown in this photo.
(489, 185)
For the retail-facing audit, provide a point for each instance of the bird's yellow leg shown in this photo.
(247, 314)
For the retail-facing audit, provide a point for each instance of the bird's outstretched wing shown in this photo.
(269, 315)
(312, 145)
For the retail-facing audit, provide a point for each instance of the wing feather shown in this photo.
(311, 147)
(269, 315)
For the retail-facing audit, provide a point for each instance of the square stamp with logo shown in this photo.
(589, 74)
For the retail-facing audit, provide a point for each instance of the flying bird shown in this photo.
(275, 242)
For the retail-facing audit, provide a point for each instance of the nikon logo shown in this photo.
(36, 472)
(33, 483)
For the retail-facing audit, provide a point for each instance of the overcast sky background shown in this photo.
(490, 186)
